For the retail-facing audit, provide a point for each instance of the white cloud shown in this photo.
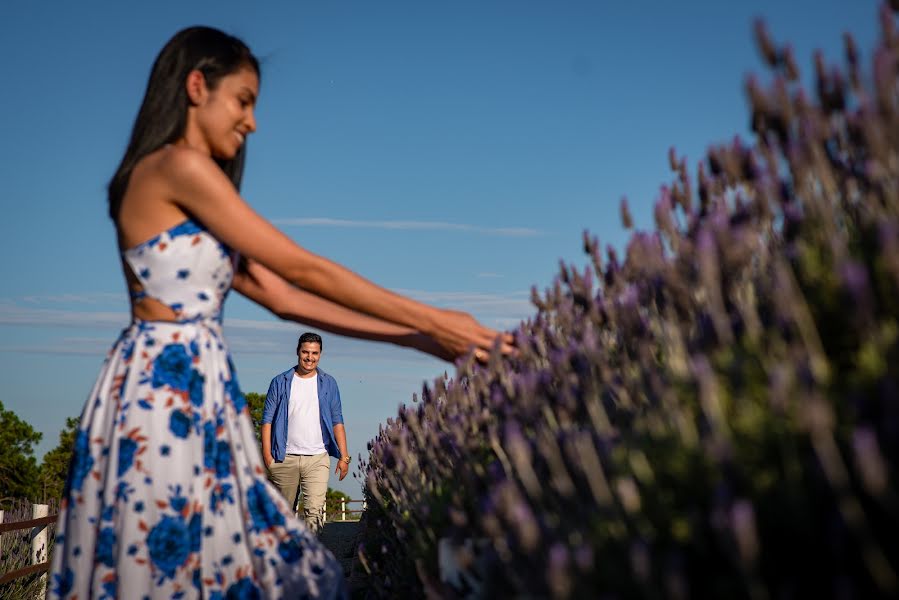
(248, 338)
(12, 314)
(408, 226)
(84, 298)
(507, 305)
(254, 325)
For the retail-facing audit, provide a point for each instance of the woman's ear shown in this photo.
(195, 84)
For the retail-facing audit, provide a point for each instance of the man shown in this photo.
(302, 423)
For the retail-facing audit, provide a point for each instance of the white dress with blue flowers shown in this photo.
(167, 496)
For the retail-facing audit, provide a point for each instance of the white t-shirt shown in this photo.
(304, 430)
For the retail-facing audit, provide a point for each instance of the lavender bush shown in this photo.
(714, 415)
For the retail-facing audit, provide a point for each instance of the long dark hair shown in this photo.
(163, 113)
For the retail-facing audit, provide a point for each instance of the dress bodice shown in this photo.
(185, 268)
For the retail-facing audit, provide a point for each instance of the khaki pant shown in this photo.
(307, 474)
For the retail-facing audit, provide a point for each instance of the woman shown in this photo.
(167, 496)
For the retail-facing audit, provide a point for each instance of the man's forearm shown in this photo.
(340, 435)
(266, 432)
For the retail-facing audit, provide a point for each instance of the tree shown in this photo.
(332, 500)
(18, 467)
(255, 404)
(55, 467)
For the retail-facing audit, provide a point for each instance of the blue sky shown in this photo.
(454, 151)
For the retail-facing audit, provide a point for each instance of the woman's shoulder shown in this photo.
(179, 161)
(174, 170)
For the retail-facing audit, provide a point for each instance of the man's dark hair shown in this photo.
(310, 337)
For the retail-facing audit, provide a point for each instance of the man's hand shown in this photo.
(343, 467)
(268, 459)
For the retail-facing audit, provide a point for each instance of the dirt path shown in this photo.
(340, 538)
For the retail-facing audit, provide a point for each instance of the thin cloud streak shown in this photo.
(11, 314)
(258, 337)
(407, 226)
(280, 348)
(17, 315)
(485, 306)
(509, 305)
(85, 298)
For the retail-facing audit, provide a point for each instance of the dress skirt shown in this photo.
(167, 495)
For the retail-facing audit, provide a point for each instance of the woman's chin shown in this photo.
(226, 153)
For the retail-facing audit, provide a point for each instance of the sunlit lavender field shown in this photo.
(713, 414)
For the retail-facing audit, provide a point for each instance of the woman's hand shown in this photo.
(458, 333)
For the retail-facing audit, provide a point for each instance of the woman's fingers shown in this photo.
(507, 343)
(504, 342)
(462, 335)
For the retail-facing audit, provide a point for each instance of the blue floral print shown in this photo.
(196, 387)
(172, 368)
(209, 445)
(221, 493)
(290, 551)
(110, 589)
(82, 461)
(169, 543)
(176, 500)
(127, 446)
(171, 498)
(222, 459)
(105, 546)
(265, 513)
(62, 582)
(179, 424)
(195, 528)
(243, 590)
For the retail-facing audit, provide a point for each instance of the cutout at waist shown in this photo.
(148, 308)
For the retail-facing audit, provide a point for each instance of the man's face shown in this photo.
(307, 357)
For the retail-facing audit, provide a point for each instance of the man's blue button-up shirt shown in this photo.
(275, 411)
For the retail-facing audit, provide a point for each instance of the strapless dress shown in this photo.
(167, 495)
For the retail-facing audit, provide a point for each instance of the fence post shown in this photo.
(39, 542)
(343, 509)
(1, 523)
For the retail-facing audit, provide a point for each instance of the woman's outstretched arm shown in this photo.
(267, 289)
(197, 186)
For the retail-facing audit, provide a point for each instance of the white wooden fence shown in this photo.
(38, 524)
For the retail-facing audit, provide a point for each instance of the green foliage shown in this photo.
(255, 404)
(332, 501)
(55, 467)
(18, 467)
